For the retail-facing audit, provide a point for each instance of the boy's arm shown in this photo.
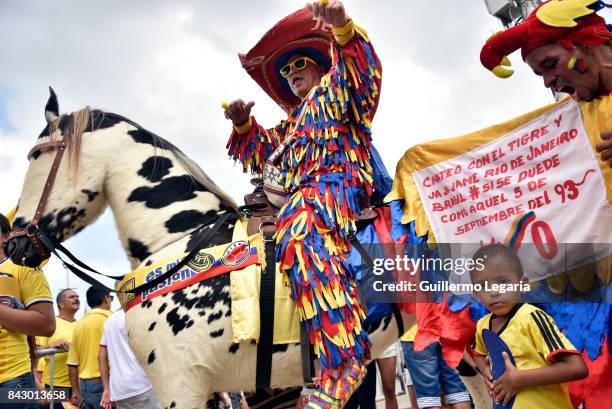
(479, 352)
(568, 367)
(482, 363)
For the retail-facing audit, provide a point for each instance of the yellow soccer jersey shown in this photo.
(23, 286)
(63, 331)
(534, 339)
(86, 343)
(410, 335)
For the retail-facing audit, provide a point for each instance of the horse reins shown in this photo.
(31, 230)
(40, 240)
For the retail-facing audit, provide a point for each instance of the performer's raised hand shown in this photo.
(330, 12)
(238, 111)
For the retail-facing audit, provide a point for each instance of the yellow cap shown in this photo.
(11, 215)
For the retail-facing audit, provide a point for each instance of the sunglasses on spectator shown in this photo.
(298, 65)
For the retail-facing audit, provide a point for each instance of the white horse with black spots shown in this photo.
(158, 197)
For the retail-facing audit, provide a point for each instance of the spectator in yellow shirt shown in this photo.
(544, 359)
(26, 309)
(83, 355)
(68, 304)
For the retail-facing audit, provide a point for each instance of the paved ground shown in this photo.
(402, 400)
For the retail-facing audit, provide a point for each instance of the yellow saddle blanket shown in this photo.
(242, 260)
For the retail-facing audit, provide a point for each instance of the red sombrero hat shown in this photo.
(567, 22)
(298, 33)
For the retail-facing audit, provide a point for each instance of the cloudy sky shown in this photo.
(168, 65)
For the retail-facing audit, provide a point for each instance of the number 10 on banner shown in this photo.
(541, 234)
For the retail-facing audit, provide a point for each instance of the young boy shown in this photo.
(545, 359)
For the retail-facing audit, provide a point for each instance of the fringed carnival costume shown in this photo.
(326, 169)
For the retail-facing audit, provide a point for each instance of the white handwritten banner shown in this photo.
(540, 183)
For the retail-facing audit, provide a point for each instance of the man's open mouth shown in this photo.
(294, 80)
(567, 89)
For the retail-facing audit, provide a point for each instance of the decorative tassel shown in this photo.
(253, 148)
(312, 237)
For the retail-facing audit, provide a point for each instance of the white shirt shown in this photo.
(127, 378)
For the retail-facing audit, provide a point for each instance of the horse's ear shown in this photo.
(52, 107)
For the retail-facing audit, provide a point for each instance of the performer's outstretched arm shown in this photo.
(250, 143)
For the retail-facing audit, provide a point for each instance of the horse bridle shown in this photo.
(32, 231)
(44, 245)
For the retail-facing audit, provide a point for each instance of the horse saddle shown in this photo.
(262, 214)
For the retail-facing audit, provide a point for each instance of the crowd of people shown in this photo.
(93, 365)
(95, 368)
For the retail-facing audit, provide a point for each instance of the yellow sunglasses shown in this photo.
(297, 65)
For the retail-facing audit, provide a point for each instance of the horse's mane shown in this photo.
(73, 126)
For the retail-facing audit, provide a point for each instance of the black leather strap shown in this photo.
(308, 372)
(398, 319)
(366, 259)
(54, 246)
(266, 315)
(199, 245)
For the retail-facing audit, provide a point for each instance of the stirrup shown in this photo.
(305, 396)
(335, 393)
(319, 400)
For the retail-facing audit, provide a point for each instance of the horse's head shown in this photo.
(61, 193)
